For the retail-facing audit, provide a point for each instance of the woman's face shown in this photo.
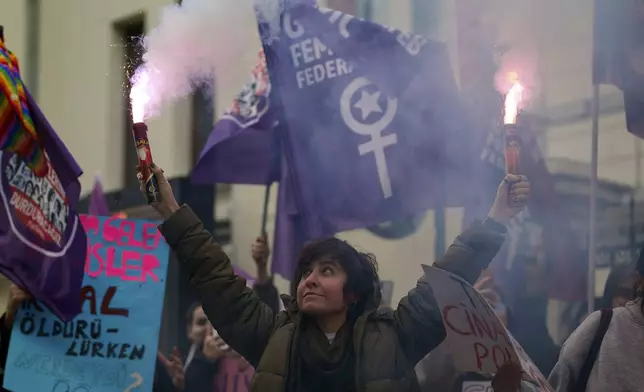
(321, 289)
(199, 327)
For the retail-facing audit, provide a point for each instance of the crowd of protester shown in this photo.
(334, 333)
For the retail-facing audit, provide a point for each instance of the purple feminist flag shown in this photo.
(242, 148)
(374, 48)
(97, 203)
(42, 240)
(357, 156)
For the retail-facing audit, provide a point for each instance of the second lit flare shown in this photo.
(513, 100)
(510, 113)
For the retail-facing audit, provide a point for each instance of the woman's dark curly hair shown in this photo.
(615, 284)
(361, 268)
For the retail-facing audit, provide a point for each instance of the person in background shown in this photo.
(195, 372)
(620, 287)
(231, 372)
(235, 372)
(331, 337)
(619, 356)
(16, 297)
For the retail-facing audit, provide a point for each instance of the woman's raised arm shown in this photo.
(240, 317)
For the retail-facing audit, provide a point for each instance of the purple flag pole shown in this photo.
(267, 197)
(275, 169)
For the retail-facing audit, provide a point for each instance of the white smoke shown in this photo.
(194, 44)
(269, 13)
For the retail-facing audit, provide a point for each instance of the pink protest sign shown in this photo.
(111, 345)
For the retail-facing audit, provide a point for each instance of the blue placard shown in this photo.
(112, 345)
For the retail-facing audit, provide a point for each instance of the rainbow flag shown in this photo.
(17, 129)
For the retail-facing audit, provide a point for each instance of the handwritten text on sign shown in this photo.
(476, 337)
(111, 346)
(474, 333)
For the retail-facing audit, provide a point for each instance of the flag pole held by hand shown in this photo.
(267, 197)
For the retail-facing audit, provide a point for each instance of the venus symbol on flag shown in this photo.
(368, 104)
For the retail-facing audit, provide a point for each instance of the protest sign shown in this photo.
(477, 339)
(112, 345)
(475, 335)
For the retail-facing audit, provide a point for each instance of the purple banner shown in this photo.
(358, 156)
(42, 241)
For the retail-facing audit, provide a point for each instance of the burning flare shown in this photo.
(139, 94)
(513, 99)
